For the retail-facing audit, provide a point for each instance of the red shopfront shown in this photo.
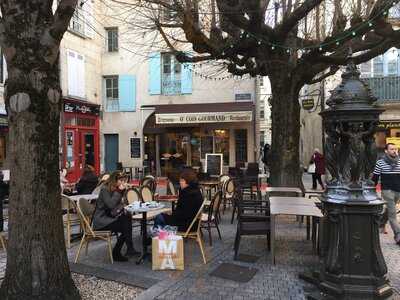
(80, 137)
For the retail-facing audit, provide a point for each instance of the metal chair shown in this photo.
(84, 212)
(251, 222)
(211, 218)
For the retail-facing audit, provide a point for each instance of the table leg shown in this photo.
(308, 227)
(273, 238)
(143, 224)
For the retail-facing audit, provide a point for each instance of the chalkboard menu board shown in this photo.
(214, 164)
(135, 147)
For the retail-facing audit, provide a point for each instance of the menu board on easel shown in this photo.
(214, 164)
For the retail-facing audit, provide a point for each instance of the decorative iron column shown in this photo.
(352, 264)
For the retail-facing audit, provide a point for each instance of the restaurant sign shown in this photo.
(73, 107)
(206, 117)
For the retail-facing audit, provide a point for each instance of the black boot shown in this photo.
(117, 256)
(130, 250)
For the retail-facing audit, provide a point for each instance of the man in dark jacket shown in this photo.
(189, 203)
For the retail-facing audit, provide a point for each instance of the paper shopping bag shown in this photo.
(167, 254)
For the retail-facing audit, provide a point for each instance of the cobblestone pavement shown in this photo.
(280, 281)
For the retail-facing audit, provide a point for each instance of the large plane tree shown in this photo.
(292, 42)
(30, 36)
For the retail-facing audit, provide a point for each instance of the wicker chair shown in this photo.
(84, 212)
(132, 195)
(70, 217)
(3, 238)
(196, 235)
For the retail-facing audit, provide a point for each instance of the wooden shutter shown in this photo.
(155, 73)
(186, 78)
(127, 92)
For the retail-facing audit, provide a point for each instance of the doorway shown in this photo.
(111, 152)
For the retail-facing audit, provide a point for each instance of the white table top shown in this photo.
(292, 200)
(85, 196)
(143, 209)
(283, 189)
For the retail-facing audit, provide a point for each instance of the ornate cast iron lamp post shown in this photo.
(352, 264)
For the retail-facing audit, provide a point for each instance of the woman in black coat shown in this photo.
(88, 182)
(189, 202)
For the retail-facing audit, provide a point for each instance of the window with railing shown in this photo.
(171, 75)
(77, 23)
(111, 93)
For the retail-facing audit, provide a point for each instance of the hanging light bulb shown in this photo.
(273, 47)
(337, 43)
(320, 48)
(259, 42)
(353, 33)
(369, 24)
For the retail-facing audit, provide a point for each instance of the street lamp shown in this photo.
(352, 263)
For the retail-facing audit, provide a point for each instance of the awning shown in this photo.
(227, 112)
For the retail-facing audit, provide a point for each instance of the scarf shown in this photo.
(392, 161)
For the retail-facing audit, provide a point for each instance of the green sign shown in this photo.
(308, 103)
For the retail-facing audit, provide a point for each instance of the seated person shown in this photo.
(110, 215)
(4, 189)
(88, 182)
(189, 203)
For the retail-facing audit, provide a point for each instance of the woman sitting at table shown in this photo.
(189, 202)
(110, 215)
(88, 182)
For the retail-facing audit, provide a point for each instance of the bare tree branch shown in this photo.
(331, 72)
(62, 17)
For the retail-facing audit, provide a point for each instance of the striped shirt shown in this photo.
(390, 176)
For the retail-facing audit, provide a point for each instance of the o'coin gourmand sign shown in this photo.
(206, 117)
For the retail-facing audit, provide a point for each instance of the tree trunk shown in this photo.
(37, 264)
(285, 115)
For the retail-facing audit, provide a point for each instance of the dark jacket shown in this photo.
(107, 201)
(265, 158)
(189, 203)
(319, 161)
(87, 183)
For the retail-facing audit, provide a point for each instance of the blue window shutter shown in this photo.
(127, 92)
(155, 73)
(186, 79)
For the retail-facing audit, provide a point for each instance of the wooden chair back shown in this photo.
(230, 187)
(196, 218)
(146, 193)
(132, 195)
(85, 211)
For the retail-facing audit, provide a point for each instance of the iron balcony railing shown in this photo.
(385, 88)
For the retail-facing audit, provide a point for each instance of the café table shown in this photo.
(143, 214)
(278, 207)
(208, 186)
(173, 199)
(90, 197)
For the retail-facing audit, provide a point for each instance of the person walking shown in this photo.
(265, 157)
(388, 170)
(318, 159)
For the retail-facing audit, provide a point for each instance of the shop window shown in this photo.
(221, 142)
(171, 75)
(112, 39)
(241, 145)
(366, 69)
(206, 145)
(111, 93)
